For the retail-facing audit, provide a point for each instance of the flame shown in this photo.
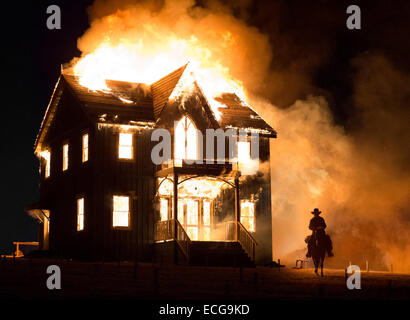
(203, 187)
(136, 61)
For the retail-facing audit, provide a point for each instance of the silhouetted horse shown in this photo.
(319, 246)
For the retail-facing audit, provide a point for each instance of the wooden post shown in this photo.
(391, 268)
(367, 266)
(279, 265)
(175, 217)
(237, 207)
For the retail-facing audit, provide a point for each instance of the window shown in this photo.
(125, 149)
(80, 214)
(246, 164)
(85, 148)
(164, 209)
(186, 140)
(248, 215)
(244, 152)
(47, 157)
(121, 212)
(206, 220)
(65, 157)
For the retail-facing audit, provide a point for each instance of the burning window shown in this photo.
(80, 214)
(248, 215)
(206, 220)
(65, 157)
(163, 209)
(85, 148)
(121, 212)
(244, 152)
(185, 140)
(125, 149)
(192, 219)
(46, 156)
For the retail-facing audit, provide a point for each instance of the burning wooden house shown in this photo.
(103, 198)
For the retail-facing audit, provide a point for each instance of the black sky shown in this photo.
(309, 37)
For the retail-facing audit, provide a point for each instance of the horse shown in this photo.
(319, 246)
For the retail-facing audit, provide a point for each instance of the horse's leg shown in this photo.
(316, 262)
(321, 264)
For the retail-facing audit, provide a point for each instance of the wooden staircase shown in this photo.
(170, 233)
(221, 253)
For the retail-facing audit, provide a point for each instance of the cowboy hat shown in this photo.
(316, 210)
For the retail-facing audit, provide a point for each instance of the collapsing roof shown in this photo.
(129, 103)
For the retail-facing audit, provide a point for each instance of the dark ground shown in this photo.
(26, 279)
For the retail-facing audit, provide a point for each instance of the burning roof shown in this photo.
(127, 103)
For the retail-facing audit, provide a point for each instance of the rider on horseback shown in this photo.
(318, 225)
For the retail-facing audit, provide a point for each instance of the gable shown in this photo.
(68, 115)
(162, 89)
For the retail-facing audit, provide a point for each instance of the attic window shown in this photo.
(80, 214)
(186, 140)
(121, 211)
(125, 149)
(65, 156)
(84, 157)
(248, 215)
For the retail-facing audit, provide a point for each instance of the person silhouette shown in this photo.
(318, 225)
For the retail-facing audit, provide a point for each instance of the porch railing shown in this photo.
(165, 231)
(246, 240)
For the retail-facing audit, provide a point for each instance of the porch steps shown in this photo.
(217, 253)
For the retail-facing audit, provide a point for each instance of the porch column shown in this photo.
(176, 196)
(175, 217)
(237, 207)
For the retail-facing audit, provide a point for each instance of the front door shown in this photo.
(195, 216)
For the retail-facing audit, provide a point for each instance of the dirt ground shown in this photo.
(26, 279)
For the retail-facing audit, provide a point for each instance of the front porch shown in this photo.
(173, 244)
(186, 199)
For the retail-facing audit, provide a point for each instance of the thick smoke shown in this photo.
(359, 179)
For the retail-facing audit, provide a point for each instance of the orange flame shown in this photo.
(134, 62)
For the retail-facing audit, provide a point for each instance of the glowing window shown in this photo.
(244, 152)
(85, 148)
(206, 221)
(80, 214)
(65, 157)
(163, 209)
(186, 140)
(248, 215)
(121, 212)
(46, 156)
(125, 149)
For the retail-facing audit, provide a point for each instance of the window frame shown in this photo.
(129, 196)
(47, 165)
(132, 147)
(254, 214)
(85, 133)
(65, 143)
(187, 122)
(78, 198)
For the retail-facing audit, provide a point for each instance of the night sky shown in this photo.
(310, 38)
